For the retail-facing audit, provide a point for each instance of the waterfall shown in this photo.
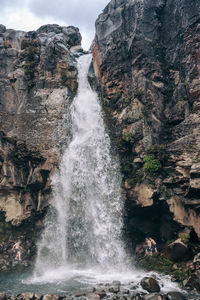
(83, 225)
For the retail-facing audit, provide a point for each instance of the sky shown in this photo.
(29, 15)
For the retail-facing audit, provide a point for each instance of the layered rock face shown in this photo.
(38, 78)
(147, 60)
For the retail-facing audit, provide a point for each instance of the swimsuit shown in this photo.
(149, 249)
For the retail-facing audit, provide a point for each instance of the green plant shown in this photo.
(128, 137)
(165, 192)
(152, 165)
(185, 237)
(159, 151)
(181, 99)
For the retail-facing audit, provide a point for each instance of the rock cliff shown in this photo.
(38, 78)
(147, 61)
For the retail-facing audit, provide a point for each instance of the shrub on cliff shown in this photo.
(152, 165)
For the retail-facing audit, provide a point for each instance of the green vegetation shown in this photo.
(137, 177)
(159, 151)
(155, 160)
(165, 192)
(185, 237)
(181, 99)
(152, 165)
(128, 137)
(163, 264)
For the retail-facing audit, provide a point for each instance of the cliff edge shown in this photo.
(147, 61)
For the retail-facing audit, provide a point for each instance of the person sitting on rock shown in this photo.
(153, 246)
(148, 248)
(18, 251)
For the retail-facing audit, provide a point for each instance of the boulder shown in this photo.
(177, 250)
(3, 296)
(154, 296)
(193, 281)
(176, 296)
(114, 289)
(38, 296)
(26, 296)
(93, 296)
(101, 294)
(50, 297)
(150, 284)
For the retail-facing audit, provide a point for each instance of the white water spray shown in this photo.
(83, 227)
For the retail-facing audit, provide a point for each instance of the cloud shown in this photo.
(79, 13)
(31, 14)
(10, 3)
(74, 12)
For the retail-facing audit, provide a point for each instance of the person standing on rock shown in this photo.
(148, 247)
(18, 250)
(153, 246)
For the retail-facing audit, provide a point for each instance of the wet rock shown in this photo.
(67, 298)
(3, 296)
(177, 250)
(154, 296)
(150, 284)
(140, 296)
(124, 290)
(27, 296)
(114, 289)
(38, 296)
(176, 296)
(101, 294)
(93, 296)
(193, 281)
(82, 298)
(50, 297)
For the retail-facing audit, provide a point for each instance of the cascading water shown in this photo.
(83, 227)
(81, 244)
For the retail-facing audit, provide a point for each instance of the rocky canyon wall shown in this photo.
(38, 78)
(147, 61)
